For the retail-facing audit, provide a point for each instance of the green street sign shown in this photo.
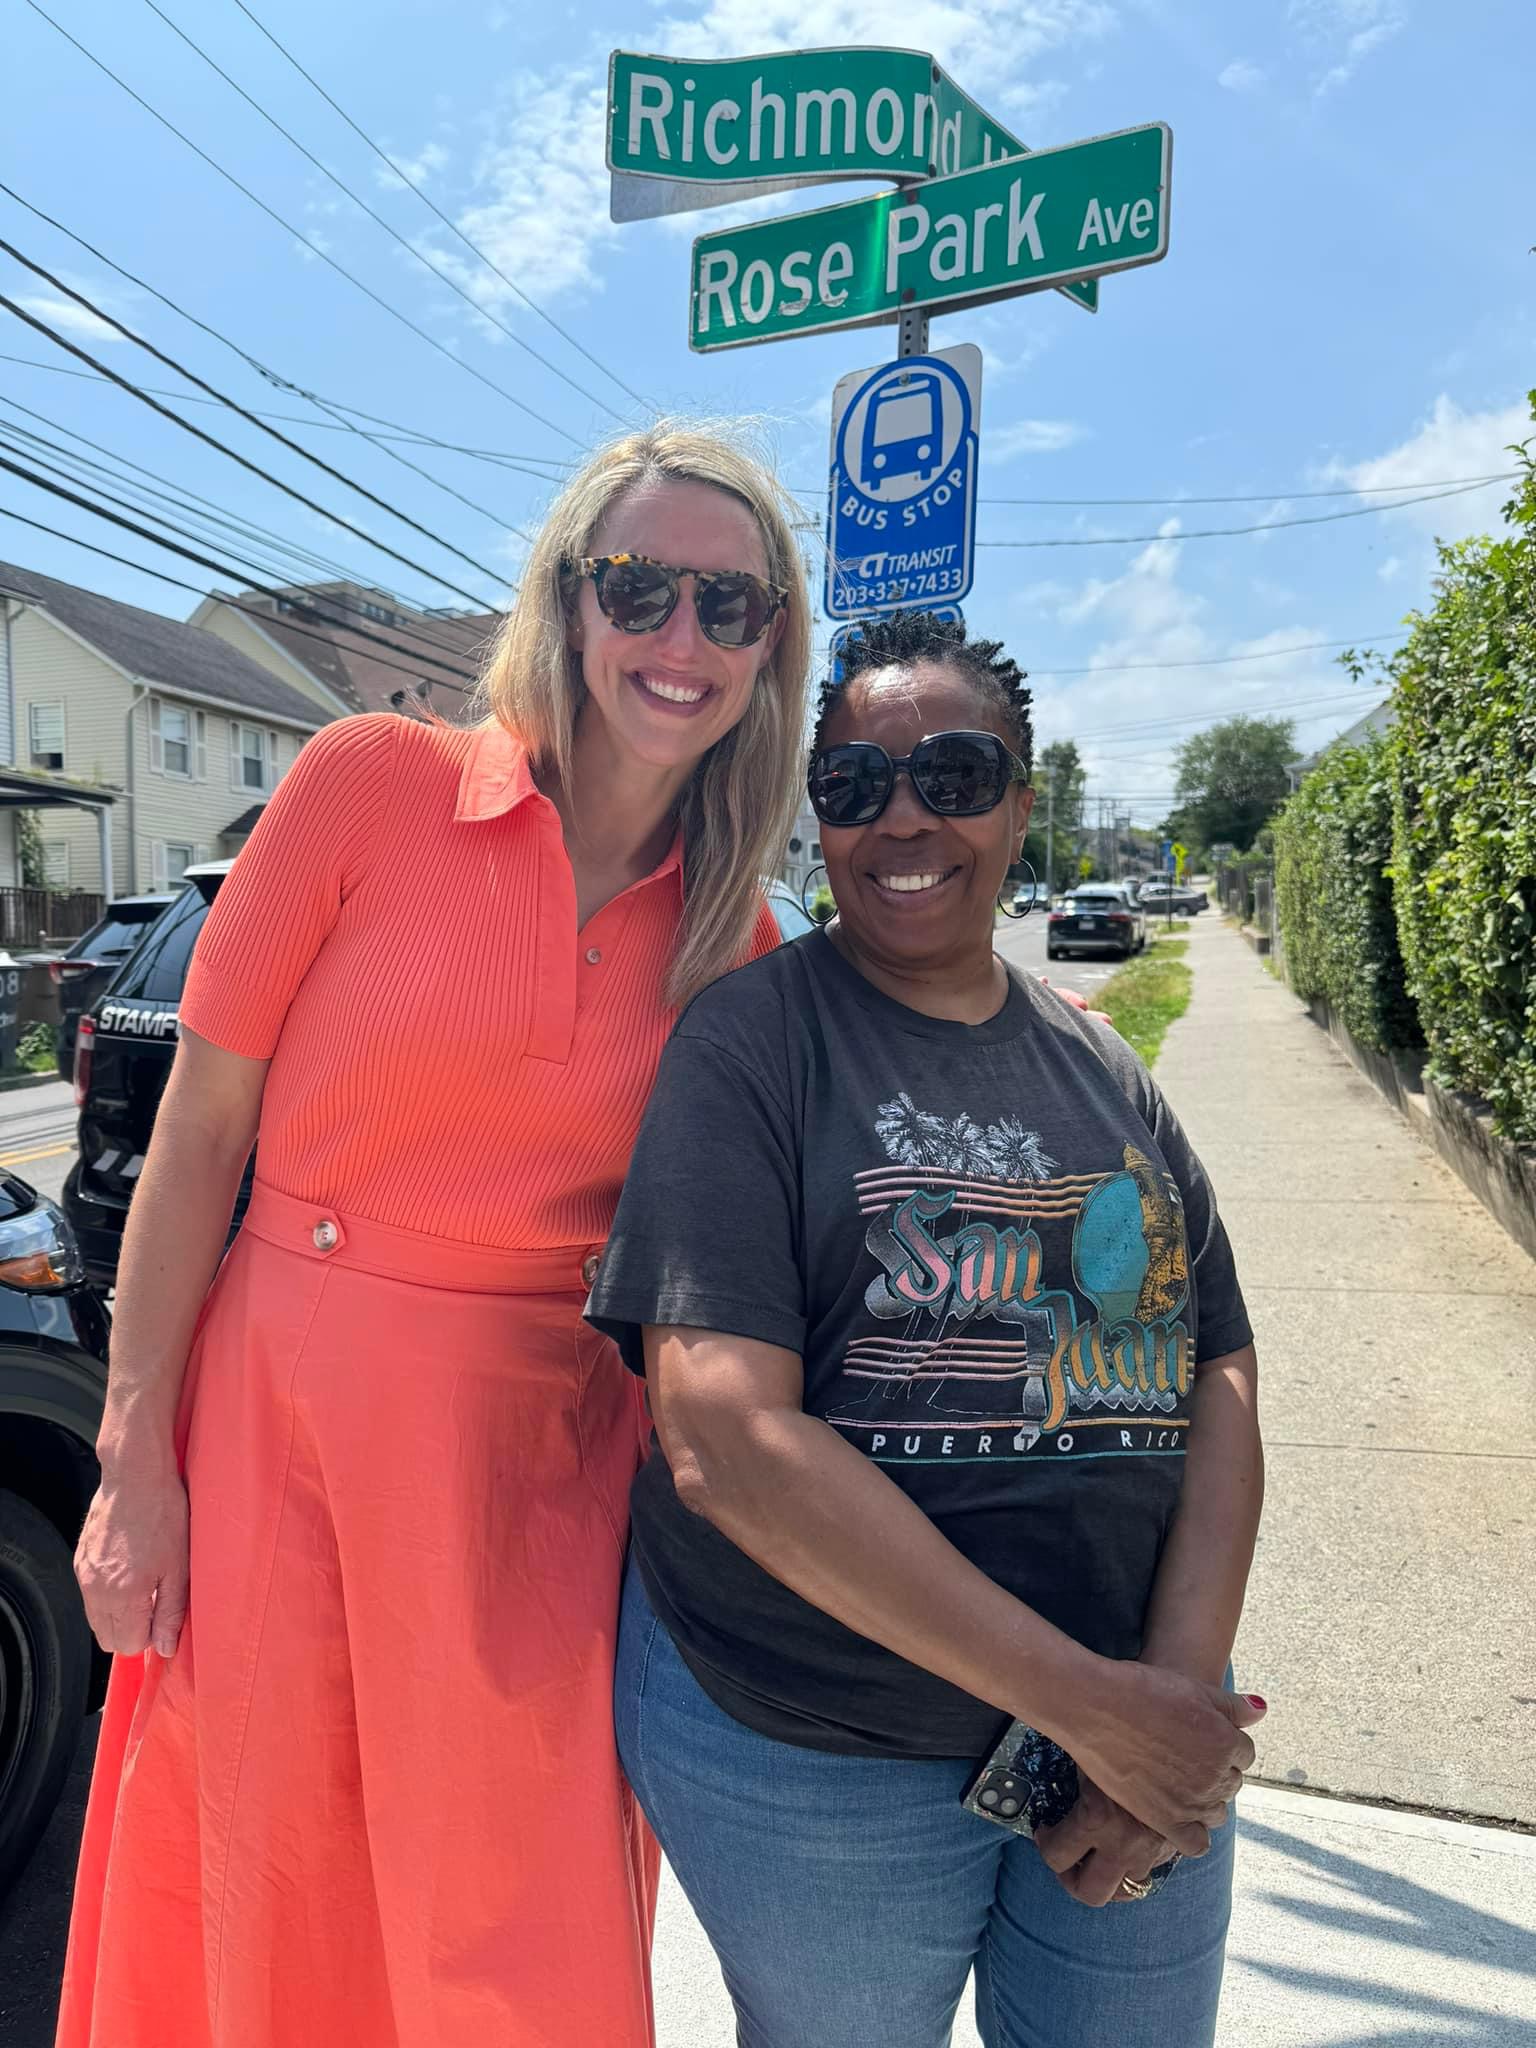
(684, 134)
(989, 233)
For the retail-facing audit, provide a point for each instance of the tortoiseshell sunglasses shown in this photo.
(639, 595)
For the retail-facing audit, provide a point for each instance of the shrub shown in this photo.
(1463, 759)
(1333, 850)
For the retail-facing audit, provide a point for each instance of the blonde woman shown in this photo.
(363, 1787)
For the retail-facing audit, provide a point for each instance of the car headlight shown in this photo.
(38, 1250)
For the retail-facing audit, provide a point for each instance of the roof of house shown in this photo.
(156, 649)
(361, 672)
(244, 825)
(1378, 719)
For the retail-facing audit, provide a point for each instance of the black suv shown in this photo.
(123, 1054)
(53, 1377)
(82, 974)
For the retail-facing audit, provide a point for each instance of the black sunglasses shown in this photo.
(956, 774)
(639, 595)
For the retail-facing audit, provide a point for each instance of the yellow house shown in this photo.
(192, 733)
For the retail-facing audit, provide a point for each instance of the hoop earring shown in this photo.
(1034, 888)
(806, 891)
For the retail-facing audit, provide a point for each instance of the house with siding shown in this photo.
(357, 647)
(191, 734)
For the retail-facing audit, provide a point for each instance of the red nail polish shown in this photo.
(1256, 1700)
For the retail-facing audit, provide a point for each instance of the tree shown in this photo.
(1059, 779)
(30, 855)
(1230, 780)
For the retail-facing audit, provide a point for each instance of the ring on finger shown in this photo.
(1135, 1888)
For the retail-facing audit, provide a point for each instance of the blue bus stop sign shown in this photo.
(901, 506)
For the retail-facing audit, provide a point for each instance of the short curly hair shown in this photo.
(901, 638)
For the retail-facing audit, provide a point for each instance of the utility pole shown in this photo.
(1050, 831)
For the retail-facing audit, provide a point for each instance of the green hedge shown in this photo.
(1464, 817)
(1333, 847)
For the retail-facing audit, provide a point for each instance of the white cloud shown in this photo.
(72, 318)
(540, 210)
(1347, 31)
(1391, 569)
(1241, 76)
(978, 40)
(419, 169)
(1449, 443)
(1128, 720)
(1030, 437)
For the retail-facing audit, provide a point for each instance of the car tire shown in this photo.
(1053, 953)
(45, 1673)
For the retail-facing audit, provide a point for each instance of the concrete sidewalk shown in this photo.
(1350, 1926)
(1391, 1620)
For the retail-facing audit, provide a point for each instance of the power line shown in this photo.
(1241, 498)
(1116, 540)
(290, 624)
(452, 226)
(188, 426)
(1161, 724)
(221, 568)
(288, 228)
(183, 499)
(1221, 660)
(524, 464)
(261, 537)
(372, 213)
(333, 407)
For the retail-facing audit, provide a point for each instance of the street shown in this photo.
(1022, 942)
(37, 1134)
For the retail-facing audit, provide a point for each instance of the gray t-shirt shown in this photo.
(1000, 1261)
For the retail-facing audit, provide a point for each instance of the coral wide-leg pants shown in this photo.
(374, 1798)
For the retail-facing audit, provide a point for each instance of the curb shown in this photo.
(8, 1082)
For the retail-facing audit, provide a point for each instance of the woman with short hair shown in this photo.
(954, 1394)
(364, 1788)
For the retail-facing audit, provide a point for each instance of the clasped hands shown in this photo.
(1098, 1846)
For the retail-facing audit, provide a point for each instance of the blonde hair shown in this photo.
(739, 804)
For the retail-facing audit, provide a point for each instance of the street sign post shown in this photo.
(684, 134)
(1080, 210)
(901, 496)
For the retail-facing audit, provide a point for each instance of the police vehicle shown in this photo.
(123, 1054)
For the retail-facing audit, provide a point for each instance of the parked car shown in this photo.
(1030, 896)
(53, 1378)
(81, 975)
(1187, 901)
(1101, 917)
(123, 1054)
(789, 912)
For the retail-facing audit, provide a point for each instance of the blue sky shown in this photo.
(1347, 301)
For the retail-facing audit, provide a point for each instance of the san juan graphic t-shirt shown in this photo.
(1001, 1263)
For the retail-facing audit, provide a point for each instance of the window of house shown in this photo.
(253, 759)
(169, 860)
(56, 863)
(178, 740)
(378, 612)
(45, 724)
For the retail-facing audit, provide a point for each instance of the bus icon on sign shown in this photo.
(903, 431)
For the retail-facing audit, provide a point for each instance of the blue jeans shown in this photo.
(848, 1898)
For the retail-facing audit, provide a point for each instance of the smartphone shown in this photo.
(1029, 1782)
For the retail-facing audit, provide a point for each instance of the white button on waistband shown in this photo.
(589, 1268)
(594, 956)
(327, 1237)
